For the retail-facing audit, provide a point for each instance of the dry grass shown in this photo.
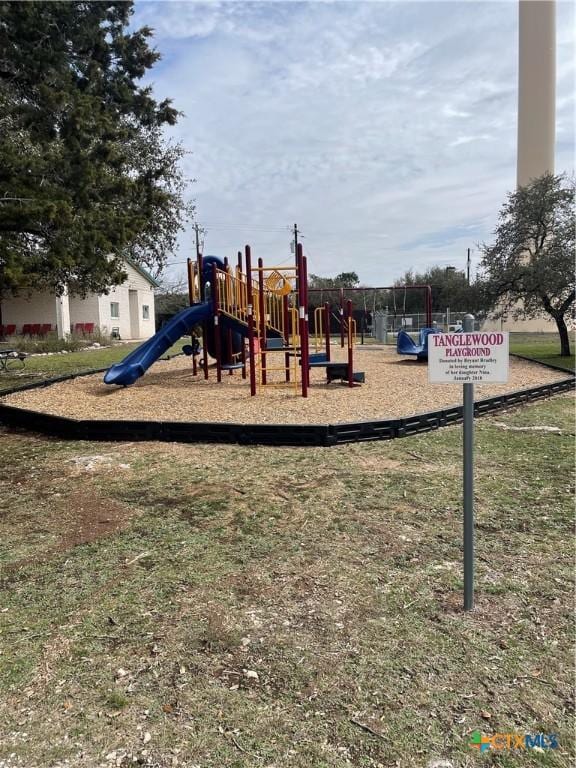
(252, 606)
(394, 387)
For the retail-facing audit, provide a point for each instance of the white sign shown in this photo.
(467, 358)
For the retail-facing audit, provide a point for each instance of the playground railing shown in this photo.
(274, 309)
(233, 301)
(233, 295)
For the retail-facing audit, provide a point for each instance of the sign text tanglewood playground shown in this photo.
(468, 358)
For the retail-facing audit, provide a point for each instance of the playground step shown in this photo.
(339, 372)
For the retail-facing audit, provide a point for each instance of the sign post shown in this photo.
(468, 357)
(468, 485)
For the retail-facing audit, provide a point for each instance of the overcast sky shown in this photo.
(386, 130)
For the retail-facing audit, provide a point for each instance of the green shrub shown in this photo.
(51, 343)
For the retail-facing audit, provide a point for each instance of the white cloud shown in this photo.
(450, 111)
(468, 139)
(373, 125)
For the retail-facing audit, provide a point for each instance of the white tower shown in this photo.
(536, 89)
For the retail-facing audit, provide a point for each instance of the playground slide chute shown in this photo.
(139, 360)
(405, 345)
(231, 332)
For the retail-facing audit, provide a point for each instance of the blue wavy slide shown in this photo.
(406, 346)
(139, 360)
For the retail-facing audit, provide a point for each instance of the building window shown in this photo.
(145, 312)
(114, 309)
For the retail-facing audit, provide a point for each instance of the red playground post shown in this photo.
(342, 318)
(237, 301)
(263, 319)
(229, 355)
(217, 340)
(306, 326)
(302, 320)
(350, 340)
(250, 313)
(428, 306)
(204, 324)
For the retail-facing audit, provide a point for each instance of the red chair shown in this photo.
(10, 330)
(88, 329)
(45, 329)
(79, 328)
(35, 331)
(26, 329)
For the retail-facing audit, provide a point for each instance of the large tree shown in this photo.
(529, 269)
(86, 177)
(343, 280)
(450, 288)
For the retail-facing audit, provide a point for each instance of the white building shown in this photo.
(126, 312)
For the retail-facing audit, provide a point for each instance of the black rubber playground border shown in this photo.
(258, 434)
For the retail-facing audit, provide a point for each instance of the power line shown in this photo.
(249, 227)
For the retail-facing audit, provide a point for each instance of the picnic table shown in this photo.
(11, 360)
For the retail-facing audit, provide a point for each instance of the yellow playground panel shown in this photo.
(271, 311)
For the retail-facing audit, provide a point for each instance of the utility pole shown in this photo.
(197, 231)
(296, 232)
(468, 267)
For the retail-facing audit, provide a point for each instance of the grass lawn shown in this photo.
(45, 367)
(542, 346)
(229, 607)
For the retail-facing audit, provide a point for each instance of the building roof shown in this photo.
(143, 272)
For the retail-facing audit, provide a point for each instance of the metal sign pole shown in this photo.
(468, 327)
(468, 357)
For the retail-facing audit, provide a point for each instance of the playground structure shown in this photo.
(326, 317)
(253, 319)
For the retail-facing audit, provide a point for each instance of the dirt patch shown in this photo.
(79, 519)
(90, 519)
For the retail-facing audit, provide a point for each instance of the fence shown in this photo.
(385, 323)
